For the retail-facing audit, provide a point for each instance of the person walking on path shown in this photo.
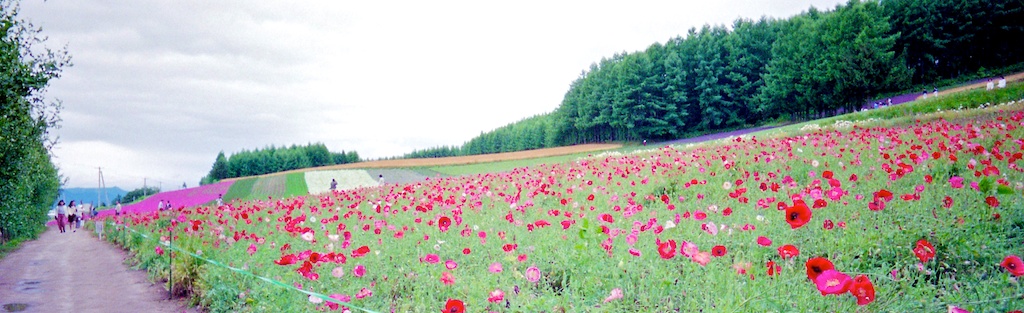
(79, 216)
(72, 217)
(117, 208)
(1002, 82)
(62, 215)
(334, 184)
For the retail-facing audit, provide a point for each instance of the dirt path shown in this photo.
(981, 84)
(47, 275)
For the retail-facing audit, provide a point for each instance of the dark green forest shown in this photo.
(28, 179)
(753, 72)
(273, 159)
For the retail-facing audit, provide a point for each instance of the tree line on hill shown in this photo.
(758, 71)
(274, 159)
(29, 181)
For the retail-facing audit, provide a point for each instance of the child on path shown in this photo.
(1002, 82)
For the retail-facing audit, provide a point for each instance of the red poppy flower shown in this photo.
(828, 225)
(947, 202)
(883, 195)
(788, 251)
(820, 203)
(454, 306)
(509, 247)
(924, 250)
(667, 249)
(287, 259)
(798, 215)
(863, 290)
(826, 174)
(992, 201)
(443, 223)
(718, 250)
(815, 266)
(773, 268)
(361, 251)
(1014, 265)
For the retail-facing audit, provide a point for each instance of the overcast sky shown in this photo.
(158, 88)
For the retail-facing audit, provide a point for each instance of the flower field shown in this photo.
(917, 218)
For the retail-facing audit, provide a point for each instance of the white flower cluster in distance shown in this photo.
(810, 127)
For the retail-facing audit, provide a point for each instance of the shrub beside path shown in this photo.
(77, 272)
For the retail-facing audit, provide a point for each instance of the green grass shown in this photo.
(296, 185)
(10, 246)
(241, 189)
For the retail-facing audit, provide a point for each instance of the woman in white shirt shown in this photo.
(62, 214)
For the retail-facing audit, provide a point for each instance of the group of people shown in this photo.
(993, 85)
(70, 216)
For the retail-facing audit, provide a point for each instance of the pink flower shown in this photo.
(496, 296)
(447, 278)
(338, 272)
(702, 258)
(832, 282)
(450, 264)
(710, 228)
(339, 297)
(635, 252)
(495, 267)
(159, 250)
(431, 258)
(532, 274)
(956, 309)
(359, 270)
(764, 241)
(616, 294)
(688, 249)
(956, 182)
(252, 249)
(363, 293)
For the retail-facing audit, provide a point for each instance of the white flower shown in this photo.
(308, 236)
(670, 224)
(315, 299)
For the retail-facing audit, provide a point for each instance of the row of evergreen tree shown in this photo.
(816, 63)
(28, 179)
(274, 159)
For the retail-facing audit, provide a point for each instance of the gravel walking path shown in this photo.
(77, 272)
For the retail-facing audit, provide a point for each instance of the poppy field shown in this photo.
(854, 217)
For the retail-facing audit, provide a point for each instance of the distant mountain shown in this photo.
(89, 195)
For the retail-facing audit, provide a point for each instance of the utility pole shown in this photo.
(145, 189)
(103, 189)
